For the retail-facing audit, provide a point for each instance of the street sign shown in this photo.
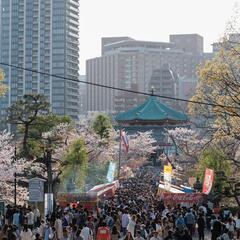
(36, 190)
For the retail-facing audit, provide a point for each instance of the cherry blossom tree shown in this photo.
(189, 143)
(100, 151)
(141, 146)
(8, 166)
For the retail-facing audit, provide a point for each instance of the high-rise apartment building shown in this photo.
(42, 35)
(130, 64)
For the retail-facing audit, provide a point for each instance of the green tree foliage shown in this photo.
(97, 173)
(25, 112)
(216, 160)
(75, 165)
(43, 123)
(219, 84)
(102, 125)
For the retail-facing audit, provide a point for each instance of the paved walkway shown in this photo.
(207, 236)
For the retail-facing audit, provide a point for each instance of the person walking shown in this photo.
(115, 233)
(201, 226)
(48, 232)
(103, 232)
(124, 222)
(131, 225)
(231, 228)
(86, 233)
(190, 221)
(216, 228)
(30, 219)
(37, 217)
(26, 233)
(16, 218)
(180, 223)
(59, 228)
(237, 221)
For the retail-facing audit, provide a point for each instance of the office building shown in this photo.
(42, 35)
(165, 82)
(192, 43)
(130, 64)
(186, 90)
(83, 95)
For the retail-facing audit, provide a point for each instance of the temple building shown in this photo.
(153, 116)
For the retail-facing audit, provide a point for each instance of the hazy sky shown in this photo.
(150, 20)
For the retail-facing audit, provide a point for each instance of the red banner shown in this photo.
(208, 181)
(178, 198)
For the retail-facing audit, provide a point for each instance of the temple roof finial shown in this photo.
(152, 90)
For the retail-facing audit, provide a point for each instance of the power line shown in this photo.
(116, 88)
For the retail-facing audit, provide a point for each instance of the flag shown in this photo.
(208, 181)
(124, 140)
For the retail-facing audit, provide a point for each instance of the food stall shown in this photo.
(176, 195)
(89, 199)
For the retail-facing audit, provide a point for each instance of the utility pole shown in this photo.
(15, 177)
(48, 157)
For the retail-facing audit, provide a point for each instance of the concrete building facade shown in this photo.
(42, 35)
(129, 64)
(165, 82)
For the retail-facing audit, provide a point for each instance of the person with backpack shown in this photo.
(189, 219)
(180, 223)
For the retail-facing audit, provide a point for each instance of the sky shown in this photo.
(151, 20)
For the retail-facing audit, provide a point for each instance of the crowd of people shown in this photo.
(135, 212)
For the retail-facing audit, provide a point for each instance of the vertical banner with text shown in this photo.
(167, 176)
(208, 181)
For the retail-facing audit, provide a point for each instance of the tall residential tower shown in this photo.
(42, 35)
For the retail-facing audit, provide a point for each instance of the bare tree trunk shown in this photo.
(237, 200)
(25, 140)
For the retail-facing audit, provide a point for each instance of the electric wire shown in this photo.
(117, 88)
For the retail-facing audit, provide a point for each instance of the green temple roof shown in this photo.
(152, 111)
